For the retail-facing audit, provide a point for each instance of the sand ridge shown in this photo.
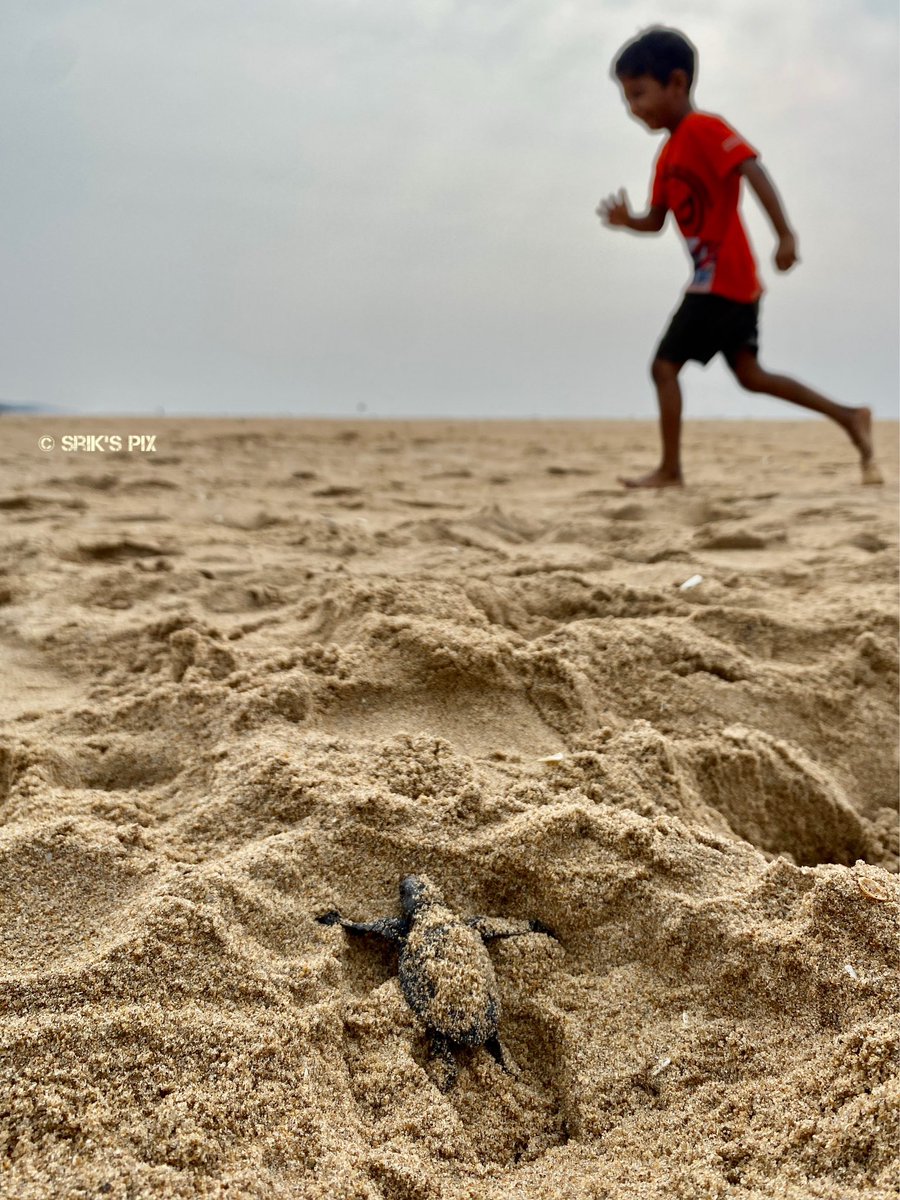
(275, 666)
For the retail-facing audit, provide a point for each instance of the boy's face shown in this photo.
(655, 103)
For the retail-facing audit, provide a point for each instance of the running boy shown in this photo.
(698, 176)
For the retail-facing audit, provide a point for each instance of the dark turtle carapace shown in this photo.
(446, 974)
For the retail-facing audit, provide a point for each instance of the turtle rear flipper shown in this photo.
(443, 1067)
(442, 1063)
(500, 1054)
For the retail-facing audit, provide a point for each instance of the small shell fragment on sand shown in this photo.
(873, 890)
(690, 583)
(660, 1067)
(553, 758)
(851, 971)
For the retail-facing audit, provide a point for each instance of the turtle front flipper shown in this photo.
(393, 929)
(491, 928)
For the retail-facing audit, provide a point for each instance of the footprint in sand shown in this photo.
(772, 795)
(116, 549)
(734, 539)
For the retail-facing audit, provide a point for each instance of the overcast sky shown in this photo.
(311, 206)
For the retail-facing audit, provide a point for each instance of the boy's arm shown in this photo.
(614, 211)
(758, 178)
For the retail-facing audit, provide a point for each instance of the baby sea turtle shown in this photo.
(446, 974)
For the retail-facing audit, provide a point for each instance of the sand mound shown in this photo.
(327, 656)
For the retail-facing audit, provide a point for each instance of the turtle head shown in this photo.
(417, 892)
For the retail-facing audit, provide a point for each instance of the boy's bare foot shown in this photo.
(859, 428)
(656, 479)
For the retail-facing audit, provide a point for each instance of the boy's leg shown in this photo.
(668, 394)
(856, 422)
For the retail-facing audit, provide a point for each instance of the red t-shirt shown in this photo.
(696, 178)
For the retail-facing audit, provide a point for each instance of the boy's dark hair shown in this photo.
(656, 52)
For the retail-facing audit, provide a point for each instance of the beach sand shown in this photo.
(271, 667)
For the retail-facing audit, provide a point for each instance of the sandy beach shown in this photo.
(264, 669)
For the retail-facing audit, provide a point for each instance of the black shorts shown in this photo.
(705, 325)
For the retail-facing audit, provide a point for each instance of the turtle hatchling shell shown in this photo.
(448, 979)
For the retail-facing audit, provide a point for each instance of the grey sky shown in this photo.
(304, 206)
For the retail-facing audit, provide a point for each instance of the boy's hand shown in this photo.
(786, 254)
(614, 209)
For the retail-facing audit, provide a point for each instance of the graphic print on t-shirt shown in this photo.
(704, 255)
(690, 202)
